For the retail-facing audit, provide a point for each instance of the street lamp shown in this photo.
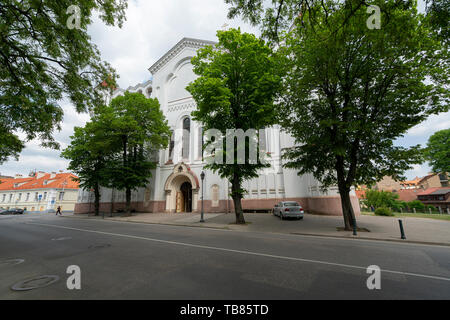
(202, 176)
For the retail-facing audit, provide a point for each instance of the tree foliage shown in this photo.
(349, 92)
(438, 12)
(89, 157)
(437, 151)
(43, 61)
(136, 130)
(377, 199)
(238, 80)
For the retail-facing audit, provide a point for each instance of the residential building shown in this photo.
(176, 185)
(388, 184)
(42, 192)
(437, 197)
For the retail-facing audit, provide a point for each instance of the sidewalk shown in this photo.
(417, 230)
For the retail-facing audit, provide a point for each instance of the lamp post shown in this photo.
(202, 176)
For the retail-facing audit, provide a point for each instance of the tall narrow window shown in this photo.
(171, 145)
(215, 195)
(262, 140)
(186, 138)
(200, 143)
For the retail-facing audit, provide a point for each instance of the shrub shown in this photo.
(378, 199)
(416, 204)
(383, 211)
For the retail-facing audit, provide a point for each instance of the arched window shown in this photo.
(186, 138)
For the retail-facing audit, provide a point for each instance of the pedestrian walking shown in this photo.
(58, 210)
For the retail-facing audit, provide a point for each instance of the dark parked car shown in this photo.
(12, 211)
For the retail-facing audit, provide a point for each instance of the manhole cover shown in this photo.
(98, 246)
(34, 283)
(62, 238)
(10, 262)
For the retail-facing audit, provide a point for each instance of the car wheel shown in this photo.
(300, 218)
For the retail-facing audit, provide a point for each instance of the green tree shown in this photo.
(350, 92)
(438, 12)
(42, 61)
(88, 153)
(136, 130)
(437, 151)
(235, 90)
(277, 16)
(377, 199)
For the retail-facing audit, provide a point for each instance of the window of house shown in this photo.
(36, 196)
(186, 138)
(45, 195)
(19, 197)
(61, 196)
(4, 197)
(10, 197)
(28, 197)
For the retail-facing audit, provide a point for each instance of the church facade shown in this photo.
(176, 184)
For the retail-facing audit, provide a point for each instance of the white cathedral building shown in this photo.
(176, 185)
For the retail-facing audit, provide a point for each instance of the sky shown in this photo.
(151, 29)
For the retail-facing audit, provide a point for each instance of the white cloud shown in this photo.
(432, 124)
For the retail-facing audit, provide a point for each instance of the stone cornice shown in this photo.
(183, 43)
(181, 106)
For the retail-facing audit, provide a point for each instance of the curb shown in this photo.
(290, 233)
(375, 239)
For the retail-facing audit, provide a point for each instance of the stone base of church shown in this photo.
(150, 206)
(326, 205)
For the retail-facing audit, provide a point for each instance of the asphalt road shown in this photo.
(120, 260)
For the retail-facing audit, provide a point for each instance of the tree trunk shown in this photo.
(97, 199)
(128, 202)
(347, 209)
(236, 195)
(344, 192)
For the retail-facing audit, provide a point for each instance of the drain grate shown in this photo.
(98, 246)
(34, 283)
(11, 262)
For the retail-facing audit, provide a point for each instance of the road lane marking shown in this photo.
(243, 252)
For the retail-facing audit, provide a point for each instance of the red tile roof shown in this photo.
(431, 190)
(57, 181)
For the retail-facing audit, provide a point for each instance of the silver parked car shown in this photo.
(288, 209)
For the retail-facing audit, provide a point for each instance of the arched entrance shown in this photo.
(184, 198)
(181, 190)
